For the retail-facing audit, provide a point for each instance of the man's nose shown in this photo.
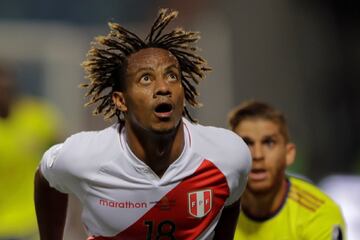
(162, 88)
(257, 152)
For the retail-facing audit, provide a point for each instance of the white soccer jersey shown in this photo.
(123, 198)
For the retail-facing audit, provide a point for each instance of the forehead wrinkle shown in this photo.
(151, 59)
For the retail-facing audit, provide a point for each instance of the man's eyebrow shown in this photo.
(172, 66)
(274, 135)
(145, 69)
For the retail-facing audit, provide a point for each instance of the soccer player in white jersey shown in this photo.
(154, 174)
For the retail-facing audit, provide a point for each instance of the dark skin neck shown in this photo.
(157, 150)
(263, 205)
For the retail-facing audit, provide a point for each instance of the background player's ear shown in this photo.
(119, 101)
(290, 153)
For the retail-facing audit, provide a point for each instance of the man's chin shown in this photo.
(165, 127)
(163, 131)
(259, 188)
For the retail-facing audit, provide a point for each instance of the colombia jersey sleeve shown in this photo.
(322, 216)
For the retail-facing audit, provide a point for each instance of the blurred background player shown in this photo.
(27, 127)
(276, 205)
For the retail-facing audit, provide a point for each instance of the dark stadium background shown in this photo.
(302, 56)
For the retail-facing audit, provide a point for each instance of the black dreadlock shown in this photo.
(107, 57)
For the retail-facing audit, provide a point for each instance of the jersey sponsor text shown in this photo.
(125, 204)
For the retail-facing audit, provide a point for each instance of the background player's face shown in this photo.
(153, 98)
(270, 154)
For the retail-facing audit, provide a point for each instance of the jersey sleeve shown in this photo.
(54, 169)
(238, 179)
(327, 224)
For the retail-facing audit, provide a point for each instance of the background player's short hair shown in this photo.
(252, 109)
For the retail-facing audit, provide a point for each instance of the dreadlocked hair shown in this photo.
(106, 60)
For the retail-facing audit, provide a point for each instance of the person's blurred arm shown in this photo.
(50, 206)
(225, 228)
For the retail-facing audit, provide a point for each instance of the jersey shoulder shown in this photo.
(85, 142)
(79, 158)
(317, 214)
(213, 142)
(85, 150)
(310, 197)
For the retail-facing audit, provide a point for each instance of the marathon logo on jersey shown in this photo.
(123, 204)
(200, 203)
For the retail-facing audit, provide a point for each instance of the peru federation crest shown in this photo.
(200, 202)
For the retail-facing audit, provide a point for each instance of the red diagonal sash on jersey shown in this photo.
(185, 211)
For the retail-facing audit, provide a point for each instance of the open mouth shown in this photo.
(163, 107)
(163, 110)
(258, 174)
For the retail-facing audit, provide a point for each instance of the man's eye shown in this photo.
(145, 79)
(172, 76)
(269, 142)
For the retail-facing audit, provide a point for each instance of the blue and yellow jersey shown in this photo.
(307, 214)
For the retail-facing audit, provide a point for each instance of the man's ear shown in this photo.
(290, 153)
(119, 101)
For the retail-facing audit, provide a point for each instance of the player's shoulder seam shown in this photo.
(305, 198)
(312, 200)
(306, 194)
